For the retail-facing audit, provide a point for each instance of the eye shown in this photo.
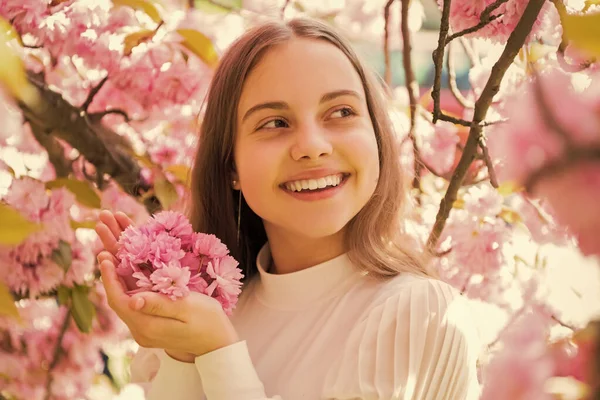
(343, 112)
(274, 124)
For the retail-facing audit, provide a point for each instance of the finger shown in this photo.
(123, 220)
(158, 305)
(107, 238)
(116, 296)
(109, 220)
(105, 255)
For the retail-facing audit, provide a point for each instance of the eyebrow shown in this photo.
(282, 105)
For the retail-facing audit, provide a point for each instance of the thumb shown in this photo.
(157, 304)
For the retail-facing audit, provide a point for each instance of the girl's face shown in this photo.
(303, 123)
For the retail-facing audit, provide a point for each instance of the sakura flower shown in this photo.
(171, 280)
(209, 245)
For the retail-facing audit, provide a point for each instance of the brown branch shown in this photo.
(57, 353)
(93, 92)
(488, 161)
(482, 105)
(462, 100)
(457, 121)
(438, 59)
(413, 89)
(387, 76)
(485, 18)
(56, 152)
(108, 151)
(571, 157)
(191, 4)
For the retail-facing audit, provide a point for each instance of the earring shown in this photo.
(239, 212)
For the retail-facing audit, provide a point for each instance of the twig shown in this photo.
(513, 45)
(560, 322)
(470, 52)
(488, 161)
(485, 18)
(438, 59)
(462, 100)
(285, 5)
(413, 89)
(191, 4)
(387, 76)
(92, 94)
(99, 115)
(57, 353)
(457, 121)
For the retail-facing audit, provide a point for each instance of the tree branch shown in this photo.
(413, 90)
(99, 115)
(387, 76)
(515, 42)
(108, 151)
(285, 5)
(57, 353)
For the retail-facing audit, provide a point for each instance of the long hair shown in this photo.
(372, 237)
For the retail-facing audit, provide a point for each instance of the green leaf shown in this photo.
(165, 191)
(583, 30)
(7, 303)
(83, 224)
(218, 6)
(62, 255)
(147, 6)
(135, 39)
(15, 227)
(12, 73)
(84, 192)
(180, 171)
(199, 44)
(64, 294)
(83, 309)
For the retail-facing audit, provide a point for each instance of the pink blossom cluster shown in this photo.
(466, 14)
(29, 268)
(559, 150)
(27, 350)
(166, 256)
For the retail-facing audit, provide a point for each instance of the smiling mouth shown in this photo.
(315, 185)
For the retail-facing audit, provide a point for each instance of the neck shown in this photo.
(292, 252)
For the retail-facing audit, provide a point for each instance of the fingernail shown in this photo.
(139, 303)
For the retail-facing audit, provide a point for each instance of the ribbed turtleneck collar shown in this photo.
(298, 289)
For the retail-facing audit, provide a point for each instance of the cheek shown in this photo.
(257, 168)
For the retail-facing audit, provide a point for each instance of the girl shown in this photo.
(297, 172)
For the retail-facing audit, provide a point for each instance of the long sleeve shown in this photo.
(420, 343)
(228, 374)
(163, 377)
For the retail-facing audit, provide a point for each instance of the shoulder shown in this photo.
(417, 339)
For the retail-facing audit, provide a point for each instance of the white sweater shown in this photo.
(330, 332)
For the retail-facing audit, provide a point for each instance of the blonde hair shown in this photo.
(373, 238)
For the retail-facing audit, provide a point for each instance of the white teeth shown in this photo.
(312, 184)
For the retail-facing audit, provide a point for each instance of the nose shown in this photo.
(310, 142)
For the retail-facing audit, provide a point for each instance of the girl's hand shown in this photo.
(109, 229)
(190, 326)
